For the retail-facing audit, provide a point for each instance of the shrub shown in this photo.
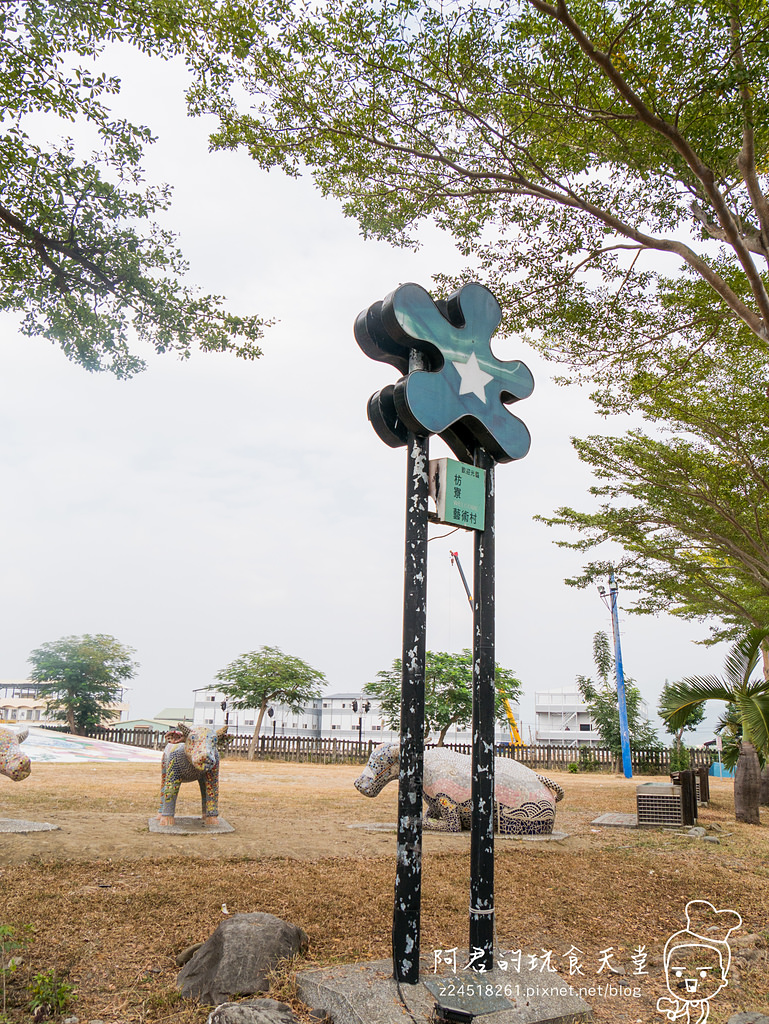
(50, 994)
(588, 762)
(680, 759)
(11, 941)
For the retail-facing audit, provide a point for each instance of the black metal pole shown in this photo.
(482, 828)
(408, 873)
(408, 876)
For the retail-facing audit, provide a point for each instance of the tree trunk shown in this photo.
(71, 721)
(257, 727)
(765, 786)
(747, 785)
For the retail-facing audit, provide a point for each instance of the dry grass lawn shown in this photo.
(111, 904)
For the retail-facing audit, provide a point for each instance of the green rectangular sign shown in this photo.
(459, 491)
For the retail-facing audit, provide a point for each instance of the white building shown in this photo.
(562, 718)
(342, 716)
(347, 716)
(20, 701)
(208, 710)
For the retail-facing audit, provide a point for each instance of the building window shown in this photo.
(585, 727)
(376, 728)
(334, 726)
(209, 721)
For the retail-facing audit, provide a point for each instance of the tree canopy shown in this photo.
(601, 700)
(255, 679)
(82, 261)
(695, 717)
(604, 165)
(747, 703)
(689, 502)
(82, 677)
(448, 692)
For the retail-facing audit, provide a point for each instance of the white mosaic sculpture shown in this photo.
(524, 801)
(13, 763)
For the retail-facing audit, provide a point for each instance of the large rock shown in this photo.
(253, 1011)
(751, 1017)
(238, 957)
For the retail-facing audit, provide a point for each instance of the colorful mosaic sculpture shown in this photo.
(13, 763)
(524, 805)
(191, 755)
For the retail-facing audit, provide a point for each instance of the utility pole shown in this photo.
(624, 731)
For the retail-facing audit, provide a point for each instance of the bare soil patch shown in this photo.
(111, 904)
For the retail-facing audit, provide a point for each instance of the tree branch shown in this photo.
(701, 170)
(746, 158)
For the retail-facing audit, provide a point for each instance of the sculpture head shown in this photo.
(383, 766)
(201, 743)
(13, 763)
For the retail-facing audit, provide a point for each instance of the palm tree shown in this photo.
(750, 701)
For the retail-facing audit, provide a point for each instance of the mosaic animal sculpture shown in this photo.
(13, 763)
(524, 805)
(191, 755)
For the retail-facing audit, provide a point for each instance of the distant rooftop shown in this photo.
(175, 715)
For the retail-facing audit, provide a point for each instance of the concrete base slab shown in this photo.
(367, 994)
(378, 826)
(19, 825)
(375, 826)
(549, 837)
(616, 820)
(190, 827)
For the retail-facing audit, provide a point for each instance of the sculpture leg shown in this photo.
(168, 795)
(446, 813)
(209, 795)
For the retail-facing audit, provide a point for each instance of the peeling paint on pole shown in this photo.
(408, 876)
(482, 826)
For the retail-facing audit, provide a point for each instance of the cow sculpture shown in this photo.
(524, 802)
(13, 763)
(191, 754)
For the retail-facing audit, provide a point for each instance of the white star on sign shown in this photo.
(474, 379)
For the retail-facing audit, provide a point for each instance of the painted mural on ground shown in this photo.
(44, 745)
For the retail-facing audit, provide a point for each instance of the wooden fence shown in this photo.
(332, 751)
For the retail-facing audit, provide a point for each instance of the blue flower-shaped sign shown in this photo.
(463, 393)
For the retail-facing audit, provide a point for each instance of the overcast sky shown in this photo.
(211, 506)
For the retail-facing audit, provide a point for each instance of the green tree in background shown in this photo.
(602, 165)
(601, 700)
(81, 260)
(694, 718)
(747, 703)
(82, 677)
(448, 692)
(687, 502)
(258, 678)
